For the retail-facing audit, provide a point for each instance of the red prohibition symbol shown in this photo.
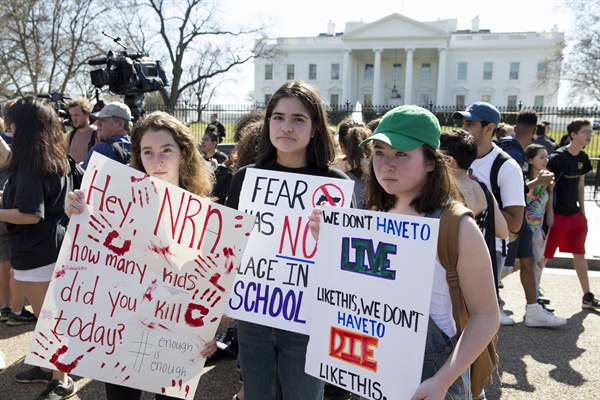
(329, 193)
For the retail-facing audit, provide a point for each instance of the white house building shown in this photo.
(397, 60)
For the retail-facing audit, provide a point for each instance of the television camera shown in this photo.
(129, 74)
(59, 102)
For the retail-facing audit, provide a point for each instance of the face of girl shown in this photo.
(290, 130)
(161, 156)
(540, 160)
(400, 173)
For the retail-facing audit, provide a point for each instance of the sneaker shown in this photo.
(226, 345)
(57, 390)
(333, 392)
(545, 306)
(505, 319)
(537, 317)
(589, 301)
(25, 317)
(4, 311)
(34, 375)
(542, 298)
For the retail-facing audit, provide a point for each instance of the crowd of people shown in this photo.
(525, 192)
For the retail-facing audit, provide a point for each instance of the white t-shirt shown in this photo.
(440, 308)
(510, 180)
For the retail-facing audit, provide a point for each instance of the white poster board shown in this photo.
(140, 284)
(371, 304)
(276, 270)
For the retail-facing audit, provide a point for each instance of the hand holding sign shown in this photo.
(274, 275)
(315, 223)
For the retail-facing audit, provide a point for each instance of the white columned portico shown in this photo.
(441, 81)
(409, 76)
(377, 100)
(347, 78)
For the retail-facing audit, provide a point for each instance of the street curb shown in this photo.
(567, 262)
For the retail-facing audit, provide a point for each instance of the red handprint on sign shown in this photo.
(179, 385)
(55, 358)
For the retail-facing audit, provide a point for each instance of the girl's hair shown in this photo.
(460, 145)
(247, 146)
(38, 145)
(256, 115)
(439, 189)
(194, 175)
(532, 150)
(350, 135)
(321, 149)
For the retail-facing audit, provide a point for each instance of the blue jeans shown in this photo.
(437, 350)
(273, 364)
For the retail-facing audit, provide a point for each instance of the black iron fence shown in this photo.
(198, 118)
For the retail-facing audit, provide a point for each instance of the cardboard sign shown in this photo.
(276, 269)
(371, 301)
(140, 284)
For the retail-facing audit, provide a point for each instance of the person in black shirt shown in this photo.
(209, 144)
(214, 120)
(565, 214)
(34, 207)
(295, 139)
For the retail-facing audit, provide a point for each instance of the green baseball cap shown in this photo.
(407, 127)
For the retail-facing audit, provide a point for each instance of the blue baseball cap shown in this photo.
(479, 111)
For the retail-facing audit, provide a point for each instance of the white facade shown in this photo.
(397, 60)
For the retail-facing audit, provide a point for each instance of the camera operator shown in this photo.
(84, 136)
(114, 124)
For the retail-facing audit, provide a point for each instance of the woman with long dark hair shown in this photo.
(34, 206)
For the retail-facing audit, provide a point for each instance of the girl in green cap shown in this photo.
(410, 176)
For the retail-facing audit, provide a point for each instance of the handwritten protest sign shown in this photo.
(140, 284)
(276, 269)
(371, 304)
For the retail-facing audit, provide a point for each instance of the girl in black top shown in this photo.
(34, 205)
(295, 138)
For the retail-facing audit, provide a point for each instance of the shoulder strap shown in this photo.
(122, 155)
(500, 159)
(71, 136)
(448, 255)
(93, 139)
(490, 229)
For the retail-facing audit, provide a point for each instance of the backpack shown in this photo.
(123, 156)
(75, 172)
(487, 362)
(500, 159)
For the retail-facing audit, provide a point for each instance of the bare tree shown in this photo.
(44, 44)
(197, 45)
(581, 58)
